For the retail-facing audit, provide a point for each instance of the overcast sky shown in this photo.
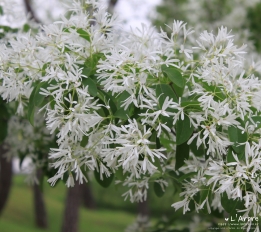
(135, 12)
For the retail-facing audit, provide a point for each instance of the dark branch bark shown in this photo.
(71, 213)
(143, 208)
(39, 206)
(112, 4)
(5, 178)
(30, 11)
(87, 196)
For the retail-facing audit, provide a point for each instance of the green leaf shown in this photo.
(31, 107)
(44, 69)
(174, 75)
(155, 176)
(158, 190)
(38, 98)
(191, 105)
(163, 91)
(183, 130)
(167, 143)
(179, 91)
(107, 99)
(231, 205)
(230, 157)
(217, 214)
(87, 71)
(52, 102)
(186, 176)
(122, 114)
(92, 88)
(236, 136)
(257, 121)
(182, 153)
(26, 27)
(84, 34)
(1, 10)
(197, 151)
(84, 141)
(215, 90)
(8, 29)
(106, 182)
(192, 203)
(120, 174)
(18, 70)
(204, 193)
(89, 67)
(121, 98)
(156, 145)
(152, 139)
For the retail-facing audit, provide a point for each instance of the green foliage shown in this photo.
(36, 99)
(105, 181)
(90, 65)
(253, 20)
(182, 153)
(92, 88)
(231, 206)
(6, 29)
(163, 91)
(237, 136)
(158, 190)
(26, 27)
(174, 75)
(216, 91)
(122, 114)
(84, 141)
(205, 194)
(184, 130)
(120, 175)
(197, 151)
(84, 34)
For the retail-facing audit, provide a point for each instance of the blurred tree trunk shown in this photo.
(39, 205)
(143, 208)
(6, 174)
(30, 11)
(72, 205)
(87, 196)
(112, 4)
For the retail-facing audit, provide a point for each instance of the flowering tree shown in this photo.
(141, 107)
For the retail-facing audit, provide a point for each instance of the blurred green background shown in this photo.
(112, 213)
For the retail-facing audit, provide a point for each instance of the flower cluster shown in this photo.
(137, 105)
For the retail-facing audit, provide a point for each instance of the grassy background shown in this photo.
(113, 214)
(18, 214)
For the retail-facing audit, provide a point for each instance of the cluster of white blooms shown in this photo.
(13, 13)
(139, 106)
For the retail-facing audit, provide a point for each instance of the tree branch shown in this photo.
(112, 4)
(30, 11)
